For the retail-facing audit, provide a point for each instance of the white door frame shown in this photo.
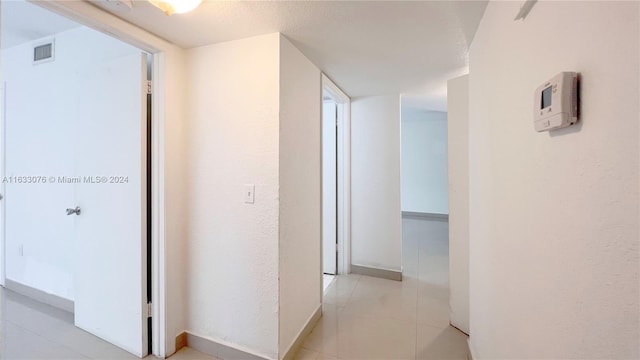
(344, 173)
(3, 246)
(95, 18)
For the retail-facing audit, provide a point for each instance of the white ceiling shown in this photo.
(366, 47)
(23, 22)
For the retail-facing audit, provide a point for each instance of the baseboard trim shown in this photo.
(306, 330)
(470, 352)
(226, 352)
(39, 295)
(375, 272)
(215, 348)
(457, 328)
(181, 341)
(421, 215)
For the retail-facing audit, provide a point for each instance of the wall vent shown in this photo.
(43, 51)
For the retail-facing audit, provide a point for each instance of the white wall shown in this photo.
(300, 192)
(376, 226)
(424, 161)
(174, 167)
(232, 247)
(458, 144)
(554, 252)
(254, 118)
(41, 119)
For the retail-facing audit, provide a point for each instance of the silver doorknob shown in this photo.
(74, 211)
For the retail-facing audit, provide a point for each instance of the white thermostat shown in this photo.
(555, 103)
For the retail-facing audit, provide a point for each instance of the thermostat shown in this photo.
(555, 103)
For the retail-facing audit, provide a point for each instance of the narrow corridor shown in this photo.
(371, 318)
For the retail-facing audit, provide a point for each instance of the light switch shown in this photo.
(249, 193)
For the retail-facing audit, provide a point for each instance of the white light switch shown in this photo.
(249, 193)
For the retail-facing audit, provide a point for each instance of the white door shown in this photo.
(110, 231)
(38, 140)
(329, 188)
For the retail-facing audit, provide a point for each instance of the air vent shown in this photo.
(43, 52)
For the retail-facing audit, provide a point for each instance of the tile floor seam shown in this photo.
(366, 317)
(415, 356)
(339, 312)
(52, 341)
(354, 289)
(48, 338)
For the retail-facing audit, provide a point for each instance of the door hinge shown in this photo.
(149, 309)
(149, 87)
(336, 247)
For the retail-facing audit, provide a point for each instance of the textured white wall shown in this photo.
(300, 192)
(554, 252)
(424, 161)
(175, 168)
(376, 217)
(232, 247)
(458, 132)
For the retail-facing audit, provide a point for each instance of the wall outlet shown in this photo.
(21, 250)
(249, 193)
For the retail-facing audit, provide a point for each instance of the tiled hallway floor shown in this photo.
(364, 317)
(371, 318)
(32, 330)
(327, 280)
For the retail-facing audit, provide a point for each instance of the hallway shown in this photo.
(371, 318)
(364, 317)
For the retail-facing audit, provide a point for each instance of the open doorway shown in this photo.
(335, 182)
(424, 194)
(75, 140)
(329, 189)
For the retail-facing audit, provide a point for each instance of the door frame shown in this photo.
(344, 173)
(162, 51)
(3, 245)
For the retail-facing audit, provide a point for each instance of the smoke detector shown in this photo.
(119, 5)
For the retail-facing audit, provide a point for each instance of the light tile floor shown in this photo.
(327, 280)
(371, 318)
(364, 317)
(32, 330)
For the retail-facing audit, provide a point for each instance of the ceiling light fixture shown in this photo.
(175, 6)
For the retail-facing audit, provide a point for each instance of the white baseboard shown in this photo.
(429, 216)
(470, 352)
(228, 352)
(39, 295)
(375, 272)
(302, 335)
(215, 348)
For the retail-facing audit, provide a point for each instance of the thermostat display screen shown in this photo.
(546, 98)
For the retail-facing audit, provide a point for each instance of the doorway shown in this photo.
(424, 194)
(336, 214)
(74, 173)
